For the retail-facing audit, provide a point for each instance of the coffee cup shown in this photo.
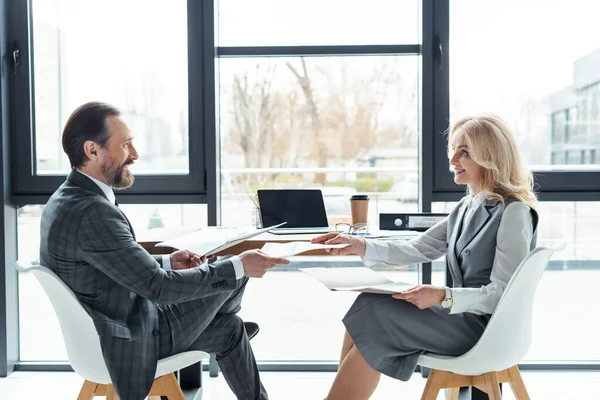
(359, 207)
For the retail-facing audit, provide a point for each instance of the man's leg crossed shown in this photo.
(210, 325)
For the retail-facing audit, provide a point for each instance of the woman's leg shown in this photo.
(355, 378)
(346, 346)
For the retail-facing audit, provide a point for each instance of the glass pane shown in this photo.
(36, 315)
(564, 328)
(545, 82)
(300, 319)
(345, 125)
(315, 22)
(142, 71)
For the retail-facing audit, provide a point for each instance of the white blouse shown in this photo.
(512, 246)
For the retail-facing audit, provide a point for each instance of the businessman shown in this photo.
(144, 307)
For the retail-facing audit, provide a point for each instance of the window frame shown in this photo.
(551, 185)
(29, 188)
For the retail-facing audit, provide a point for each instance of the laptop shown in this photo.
(302, 209)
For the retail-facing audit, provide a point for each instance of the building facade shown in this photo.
(575, 116)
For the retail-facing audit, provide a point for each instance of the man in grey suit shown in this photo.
(144, 307)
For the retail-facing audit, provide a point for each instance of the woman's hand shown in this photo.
(423, 296)
(356, 245)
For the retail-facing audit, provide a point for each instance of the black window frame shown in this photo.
(29, 188)
(550, 185)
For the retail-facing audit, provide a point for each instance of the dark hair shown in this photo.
(88, 122)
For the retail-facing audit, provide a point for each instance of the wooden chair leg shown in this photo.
(452, 393)
(110, 393)
(492, 386)
(87, 391)
(172, 389)
(516, 384)
(433, 385)
(168, 386)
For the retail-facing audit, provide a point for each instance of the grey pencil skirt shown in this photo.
(391, 334)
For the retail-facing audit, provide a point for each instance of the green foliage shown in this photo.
(365, 185)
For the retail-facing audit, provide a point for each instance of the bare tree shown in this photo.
(265, 123)
(346, 115)
(319, 147)
(327, 114)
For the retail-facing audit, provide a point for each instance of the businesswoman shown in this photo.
(484, 239)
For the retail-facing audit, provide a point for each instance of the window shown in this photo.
(538, 74)
(338, 96)
(570, 273)
(559, 127)
(345, 120)
(344, 125)
(526, 77)
(301, 321)
(77, 60)
(566, 291)
(143, 71)
(571, 128)
(314, 22)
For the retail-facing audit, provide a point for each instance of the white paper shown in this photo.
(213, 240)
(292, 248)
(382, 234)
(356, 279)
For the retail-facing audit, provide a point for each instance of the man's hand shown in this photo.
(256, 263)
(423, 296)
(184, 259)
(357, 245)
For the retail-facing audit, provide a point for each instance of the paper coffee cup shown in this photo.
(359, 207)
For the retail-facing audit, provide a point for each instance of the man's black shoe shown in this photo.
(252, 329)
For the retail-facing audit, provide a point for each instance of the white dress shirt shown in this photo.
(238, 266)
(512, 246)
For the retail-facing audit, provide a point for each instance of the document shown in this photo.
(356, 279)
(292, 248)
(213, 240)
(389, 234)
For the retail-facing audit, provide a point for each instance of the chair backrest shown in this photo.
(507, 337)
(79, 333)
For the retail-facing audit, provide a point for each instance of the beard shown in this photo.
(117, 176)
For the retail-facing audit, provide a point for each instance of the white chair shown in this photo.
(504, 342)
(83, 344)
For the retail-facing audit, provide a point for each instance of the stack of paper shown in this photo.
(356, 279)
(211, 240)
(292, 248)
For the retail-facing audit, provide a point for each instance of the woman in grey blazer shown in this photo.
(484, 239)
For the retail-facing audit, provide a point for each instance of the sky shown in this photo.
(527, 45)
(503, 51)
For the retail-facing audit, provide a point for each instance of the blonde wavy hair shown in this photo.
(492, 145)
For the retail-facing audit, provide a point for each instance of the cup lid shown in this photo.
(359, 197)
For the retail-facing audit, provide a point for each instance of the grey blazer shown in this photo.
(88, 242)
(469, 267)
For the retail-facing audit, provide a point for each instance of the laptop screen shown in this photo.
(300, 208)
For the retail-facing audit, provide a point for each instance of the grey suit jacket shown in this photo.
(88, 242)
(480, 266)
